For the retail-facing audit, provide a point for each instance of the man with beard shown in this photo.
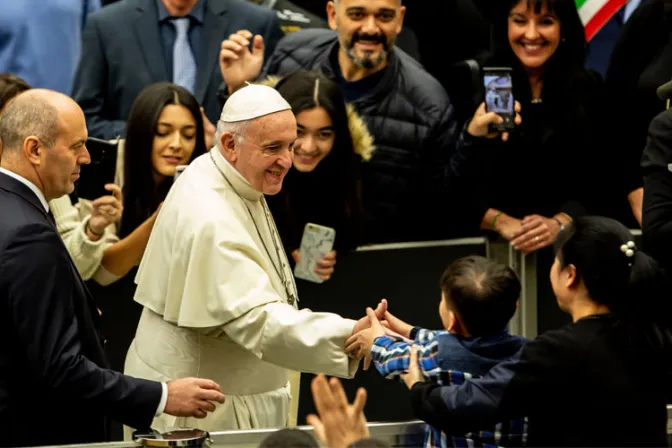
(407, 110)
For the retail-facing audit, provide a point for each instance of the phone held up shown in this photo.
(498, 86)
(317, 241)
(100, 172)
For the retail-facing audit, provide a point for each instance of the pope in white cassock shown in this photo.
(218, 294)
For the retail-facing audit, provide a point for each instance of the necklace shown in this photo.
(291, 298)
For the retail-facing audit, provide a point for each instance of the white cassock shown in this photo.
(216, 306)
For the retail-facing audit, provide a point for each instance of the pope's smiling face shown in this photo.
(263, 153)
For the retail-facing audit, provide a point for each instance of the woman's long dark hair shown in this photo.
(141, 195)
(631, 284)
(335, 182)
(11, 86)
(564, 74)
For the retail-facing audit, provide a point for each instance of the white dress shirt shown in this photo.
(45, 204)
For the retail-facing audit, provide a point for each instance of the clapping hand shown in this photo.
(340, 424)
(535, 233)
(237, 63)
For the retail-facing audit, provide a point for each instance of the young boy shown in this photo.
(478, 298)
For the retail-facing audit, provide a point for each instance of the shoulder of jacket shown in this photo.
(307, 38)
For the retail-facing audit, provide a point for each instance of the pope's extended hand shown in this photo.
(359, 345)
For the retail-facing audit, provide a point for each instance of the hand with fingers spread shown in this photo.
(359, 345)
(414, 374)
(479, 126)
(536, 232)
(338, 424)
(105, 210)
(237, 62)
(192, 397)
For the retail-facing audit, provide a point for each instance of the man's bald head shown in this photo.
(43, 135)
(36, 113)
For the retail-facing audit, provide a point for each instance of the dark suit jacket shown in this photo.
(657, 207)
(53, 387)
(122, 54)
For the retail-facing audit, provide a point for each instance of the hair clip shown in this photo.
(628, 249)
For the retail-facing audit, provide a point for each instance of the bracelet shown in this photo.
(88, 229)
(494, 220)
(560, 224)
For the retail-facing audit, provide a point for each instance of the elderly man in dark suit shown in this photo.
(54, 388)
(133, 43)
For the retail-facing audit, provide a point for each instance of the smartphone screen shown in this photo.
(499, 95)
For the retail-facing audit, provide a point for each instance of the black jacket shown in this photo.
(657, 210)
(412, 122)
(54, 388)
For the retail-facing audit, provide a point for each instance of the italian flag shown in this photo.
(596, 13)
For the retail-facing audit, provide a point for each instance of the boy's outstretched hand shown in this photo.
(397, 325)
(359, 345)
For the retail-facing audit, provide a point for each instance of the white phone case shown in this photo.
(317, 241)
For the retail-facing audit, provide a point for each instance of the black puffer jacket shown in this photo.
(412, 122)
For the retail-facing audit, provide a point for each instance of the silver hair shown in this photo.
(237, 128)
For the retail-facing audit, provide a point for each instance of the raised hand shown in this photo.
(192, 397)
(340, 424)
(237, 63)
(209, 130)
(105, 210)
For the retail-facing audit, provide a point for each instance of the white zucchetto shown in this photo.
(253, 101)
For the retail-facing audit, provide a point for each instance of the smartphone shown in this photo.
(317, 241)
(498, 86)
(101, 171)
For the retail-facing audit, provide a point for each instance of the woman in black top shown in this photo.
(532, 184)
(324, 186)
(640, 63)
(602, 380)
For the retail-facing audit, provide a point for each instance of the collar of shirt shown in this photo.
(30, 185)
(196, 13)
(239, 183)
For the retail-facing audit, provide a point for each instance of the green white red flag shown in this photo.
(596, 13)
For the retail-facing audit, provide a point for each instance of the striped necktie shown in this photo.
(184, 64)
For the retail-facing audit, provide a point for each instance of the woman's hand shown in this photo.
(325, 266)
(536, 232)
(479, 126)
(508, 227)
(105, 210)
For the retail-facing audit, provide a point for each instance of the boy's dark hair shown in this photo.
(482, 293)
(289, 438)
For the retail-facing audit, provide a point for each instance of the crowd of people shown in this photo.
(283, 118)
